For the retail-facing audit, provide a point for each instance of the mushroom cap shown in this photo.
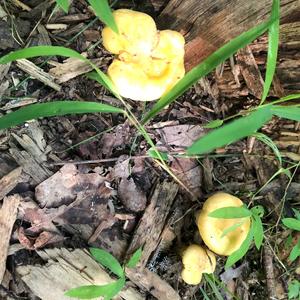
(196, 261)
(211, 229)
(149, 62)
(137, 33)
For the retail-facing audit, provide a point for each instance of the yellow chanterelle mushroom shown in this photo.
(212, 229)
(148, 62)
(196, 261)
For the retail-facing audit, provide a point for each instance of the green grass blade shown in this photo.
(207, 66)
(64, 5)
(51, 109)
(60, 51)
(272, 49)
(287, 112)
(268, 141)
(103, 12)
(241, 252)
(107, 260)
(230, 212)
(231, 132)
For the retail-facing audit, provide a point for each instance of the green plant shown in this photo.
(294, 289)
(108, 291)
(294, 224)
(256, 231)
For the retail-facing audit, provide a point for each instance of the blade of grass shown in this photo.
(60, 51)
(103, 12)
(51, 109)
(268, 141)
(207, 66)
(287, 112)
(63, 4)
(231, 132)
(272, 49)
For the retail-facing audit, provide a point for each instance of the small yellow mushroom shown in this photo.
(212, 229)
(196, 261)
(148, 62)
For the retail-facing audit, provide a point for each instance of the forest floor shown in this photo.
(81, 181)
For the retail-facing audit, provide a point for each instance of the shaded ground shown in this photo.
(115, 197)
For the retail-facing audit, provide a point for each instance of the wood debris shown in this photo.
(9, 181)
(64, 270)
(37, 73)
(8, 213)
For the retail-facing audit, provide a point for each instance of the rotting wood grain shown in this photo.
(150, 281)
(207, 25)
(147, 235)
(9, 181)
(152, 223)
(8, 214)
(66, 269)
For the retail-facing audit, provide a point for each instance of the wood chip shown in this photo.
(19, 103)
(152, 283)
(30, 166)
(71, 68)
(250, 71)
(65, 270)
(8, 214)
(37, 73)
(9, 181)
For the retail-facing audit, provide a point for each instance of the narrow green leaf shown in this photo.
(288, 97)
(206, 67)
(103, 12)
(293, 289)
(287, 112)
(295, 252)
(272, 49)
(107, 260)
(230, 212)
(61, 51)
(214, 124)
(64, 4)
(268, 141)
(210, 279)
(116, 288)
(51, 109)
(231, 228)
(231, 132)
(258, 210)
(258, 231)
(238, 254)
(134, 259)
(152, 153)
(94, 291)
(291, 223)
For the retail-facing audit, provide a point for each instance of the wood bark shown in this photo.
(207, 25)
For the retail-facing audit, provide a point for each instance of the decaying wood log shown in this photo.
(147, 235)
(152, 223)
(8, 214)
(64, 270)
(207, 25)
